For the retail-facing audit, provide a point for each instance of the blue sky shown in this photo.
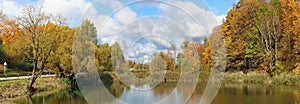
(220, 7)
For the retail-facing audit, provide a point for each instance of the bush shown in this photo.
(65, 82)
(24, 66)
(278, 68)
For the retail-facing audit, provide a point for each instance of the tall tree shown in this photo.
(118, 59)
(169, 60)
(42, 38)
(88, 30)
(289, 44)
(84, 48)
(268, 31)
(61, 56)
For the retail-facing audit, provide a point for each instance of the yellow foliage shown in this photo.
(297, 69)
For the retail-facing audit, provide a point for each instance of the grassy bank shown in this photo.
(262, 78)
(17, 88)
(229, 77)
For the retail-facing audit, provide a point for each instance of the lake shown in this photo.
(168, 93)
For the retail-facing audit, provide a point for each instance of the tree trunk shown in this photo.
(30, 88)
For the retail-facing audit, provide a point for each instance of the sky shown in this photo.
(142, 28)
(13, 7)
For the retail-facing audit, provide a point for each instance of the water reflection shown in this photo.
(258, 94)
(62, 97)
(228, 94)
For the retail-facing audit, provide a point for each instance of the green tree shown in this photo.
(61, 56)
(84, 47)
(117, 58)
(103, 56)
(185, 44)
(88, 29)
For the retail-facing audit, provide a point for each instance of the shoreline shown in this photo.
(15, 89)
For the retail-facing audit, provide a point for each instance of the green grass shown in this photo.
(12, 81)
(262, 78)
(15, 73)
(20, 81)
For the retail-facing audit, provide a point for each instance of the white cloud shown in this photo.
(171, 28)
(70, 9)
(191, 17)
(114, 4)
(10, 7)
(105, 25)
(125, 16)
(110, 40)
(220, 18)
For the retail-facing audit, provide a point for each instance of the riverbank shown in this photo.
(13, 89)
(229, 77)
(262, 78)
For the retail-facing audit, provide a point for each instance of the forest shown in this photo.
(263, 35)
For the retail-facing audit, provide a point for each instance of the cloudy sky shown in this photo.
(141, 28)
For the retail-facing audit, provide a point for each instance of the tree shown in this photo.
(263, 34)
(88, 29)
(157, 68)
(42, 32)
(103, 56)
(118, 59)
(289, 43)
(206, 60)
(192, 54)
(61, 56)
(9, 31)
(239, 22)
(268, 33)
(84, 48)
(169, 60)
(185, 44)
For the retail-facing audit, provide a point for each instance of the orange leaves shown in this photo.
(201, 51)
(10, 31)
(206, 55)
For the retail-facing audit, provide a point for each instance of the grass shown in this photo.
(232, 77)
(20, 81)
(14, 73)
(262, 78)
(12, 81)
(17, 88)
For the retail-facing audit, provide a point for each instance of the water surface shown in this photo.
(168, 93)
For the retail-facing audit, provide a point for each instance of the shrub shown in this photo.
(278, 68)
(24, 66)
(65, 82)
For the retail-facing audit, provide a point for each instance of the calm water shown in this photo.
(228, 94)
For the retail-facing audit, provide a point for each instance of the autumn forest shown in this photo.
(260, 36)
